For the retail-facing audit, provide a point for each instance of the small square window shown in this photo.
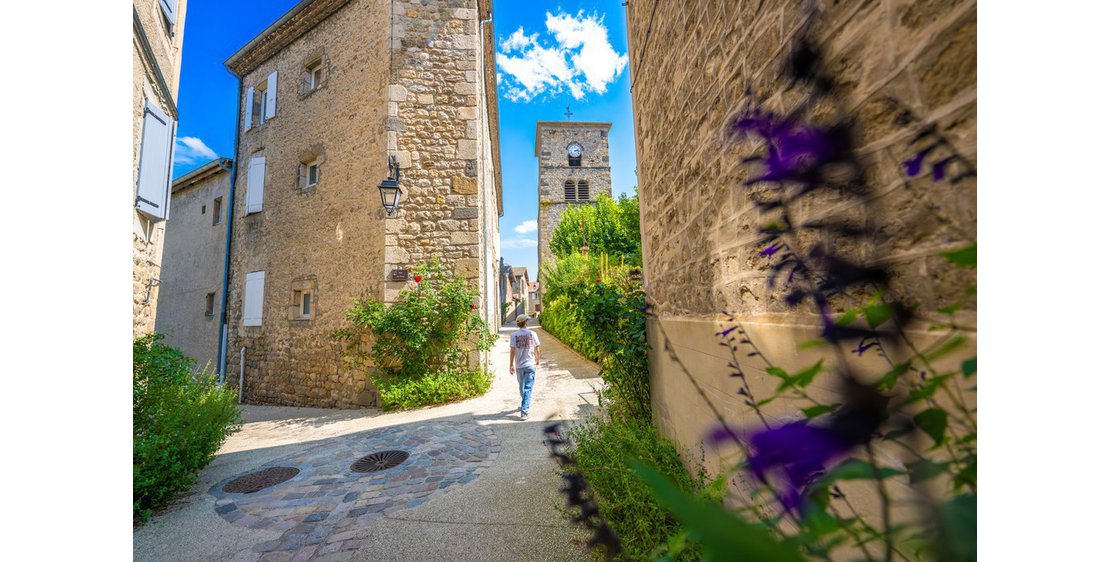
(202, 208)
(210, 304)
(302, 303)
(313, 174)
(315, 75)
(217, 205)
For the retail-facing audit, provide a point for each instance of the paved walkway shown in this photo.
(477, 486)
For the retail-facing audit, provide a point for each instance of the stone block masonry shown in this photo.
(414, 89)
(692, 64)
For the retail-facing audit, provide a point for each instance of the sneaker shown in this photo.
(523, 416)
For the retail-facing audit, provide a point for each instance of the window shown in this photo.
(583, 190)
(568, 191)
(302, 303)
(309, 174)
(202, 208)
(210, 304)
(261, 103)
(152, 195)
(217, 206)
(314, 75)
(169, 12)
(253, 290)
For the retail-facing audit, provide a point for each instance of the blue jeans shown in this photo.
(526, 376)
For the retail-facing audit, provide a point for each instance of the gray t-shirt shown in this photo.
(525, 342)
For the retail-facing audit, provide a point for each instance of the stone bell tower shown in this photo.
(574, 170)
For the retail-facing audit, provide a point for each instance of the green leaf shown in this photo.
(891, 377)
(805, 377)
(928, 389)
(855, 469)
(814, 411)
(934, 422)
(925, 469)
(956, 540)
(878, 314)
(724, 536)
(964, 257)
(777, 372)
(946, 348)
(848, 318)
(969, 367)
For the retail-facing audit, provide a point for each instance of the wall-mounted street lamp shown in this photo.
(390, 188)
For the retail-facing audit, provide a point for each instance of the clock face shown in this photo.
(574, 150)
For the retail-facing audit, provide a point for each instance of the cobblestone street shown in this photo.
(477, 484)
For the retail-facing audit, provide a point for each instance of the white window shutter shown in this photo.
(155, 156)
(169, 7)
(252, 298)
(302, 176)
(250, 108)
(256, 184)
(271, 94)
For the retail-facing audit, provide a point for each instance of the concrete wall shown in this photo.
(147, 236)
(690, 67)
(193, 267)
(419, 98)
(552, 138)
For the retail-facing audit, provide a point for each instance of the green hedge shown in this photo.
(440, 387)
(179, 421)
(602, 447)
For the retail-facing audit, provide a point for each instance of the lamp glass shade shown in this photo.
(391, 193)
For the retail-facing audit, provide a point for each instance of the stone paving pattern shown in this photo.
(320, 509)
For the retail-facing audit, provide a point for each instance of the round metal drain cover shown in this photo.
(261, 479)
(382, 460)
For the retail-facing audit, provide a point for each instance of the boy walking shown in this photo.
(524, 354)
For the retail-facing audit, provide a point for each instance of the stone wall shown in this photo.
(691, 65)
(420, 97)
(147, 236)
(193, 264)
(329, 236)
(552, 139)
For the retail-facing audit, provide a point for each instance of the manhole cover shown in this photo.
(264, 478)
(381, 460)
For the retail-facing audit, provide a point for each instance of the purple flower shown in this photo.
(771, 250)
(726, 332)
(938, 168)
(789, 457)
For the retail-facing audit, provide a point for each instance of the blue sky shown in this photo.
(550, 55)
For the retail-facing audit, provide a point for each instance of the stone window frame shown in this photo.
(298, 289)
(306, 86)
(312, 156)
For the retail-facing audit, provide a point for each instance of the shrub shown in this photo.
(601, 446)
(420, 346)
(179, 421)
(399, 393)
(607, 227)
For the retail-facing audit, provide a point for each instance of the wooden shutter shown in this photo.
(568, 190)
(252, 298)
(169, 7)
(152, 196)
(583, 190)
(256, 184)
(250, 108)
(271, 94)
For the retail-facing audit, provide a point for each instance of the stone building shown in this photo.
(692, 64)
(573, 169)
(328, 93)
(193, 261)
(157, 33)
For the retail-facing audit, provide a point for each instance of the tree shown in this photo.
(608, 226)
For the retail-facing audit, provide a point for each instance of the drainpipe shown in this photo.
(221, 352)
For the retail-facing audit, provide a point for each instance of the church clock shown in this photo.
(574, 150)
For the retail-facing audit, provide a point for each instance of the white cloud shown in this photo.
(525, 227)
(577, 58)
(518, 242)
(191, 150)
